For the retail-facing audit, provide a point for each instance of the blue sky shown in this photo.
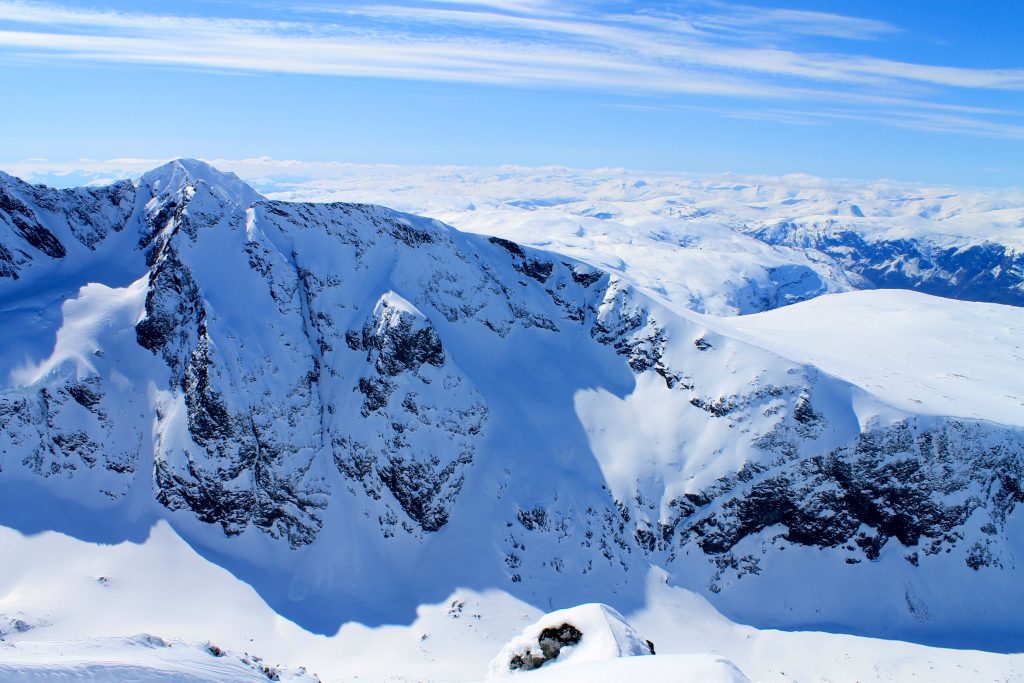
(906, 89)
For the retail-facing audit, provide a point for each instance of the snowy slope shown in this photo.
(80, 603)
(920, 353)
(141, 658)
(357, 411)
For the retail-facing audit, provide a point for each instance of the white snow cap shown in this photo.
(607, 652)
(180, 173)
(391, 300)
(605, 635)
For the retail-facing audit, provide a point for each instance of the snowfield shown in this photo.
(151, 610)
(244, 438)
(919, 353)
(140, 659)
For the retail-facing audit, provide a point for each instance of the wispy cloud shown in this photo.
(523, 6)
(770, 22)
(714, 49)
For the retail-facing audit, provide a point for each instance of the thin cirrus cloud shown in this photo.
(745, 56)
(771, 22)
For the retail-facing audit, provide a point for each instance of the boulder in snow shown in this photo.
(586, 633)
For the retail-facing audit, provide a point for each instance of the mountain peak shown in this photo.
(180, 173)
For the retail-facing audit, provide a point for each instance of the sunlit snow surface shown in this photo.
(921, 353)
(87, 609)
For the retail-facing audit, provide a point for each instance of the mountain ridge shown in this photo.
(454, 409)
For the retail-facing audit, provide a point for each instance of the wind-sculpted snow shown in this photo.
(357, 410)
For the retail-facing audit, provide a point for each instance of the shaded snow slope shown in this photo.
(357, 411)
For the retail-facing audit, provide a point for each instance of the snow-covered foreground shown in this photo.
(158, 611)
(142, 658)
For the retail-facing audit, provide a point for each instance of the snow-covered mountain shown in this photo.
(356, 411)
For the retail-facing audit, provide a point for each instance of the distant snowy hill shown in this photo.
(357, 411)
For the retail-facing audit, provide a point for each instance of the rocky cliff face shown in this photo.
(426, 410)
(38, 224)
(309, 379)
